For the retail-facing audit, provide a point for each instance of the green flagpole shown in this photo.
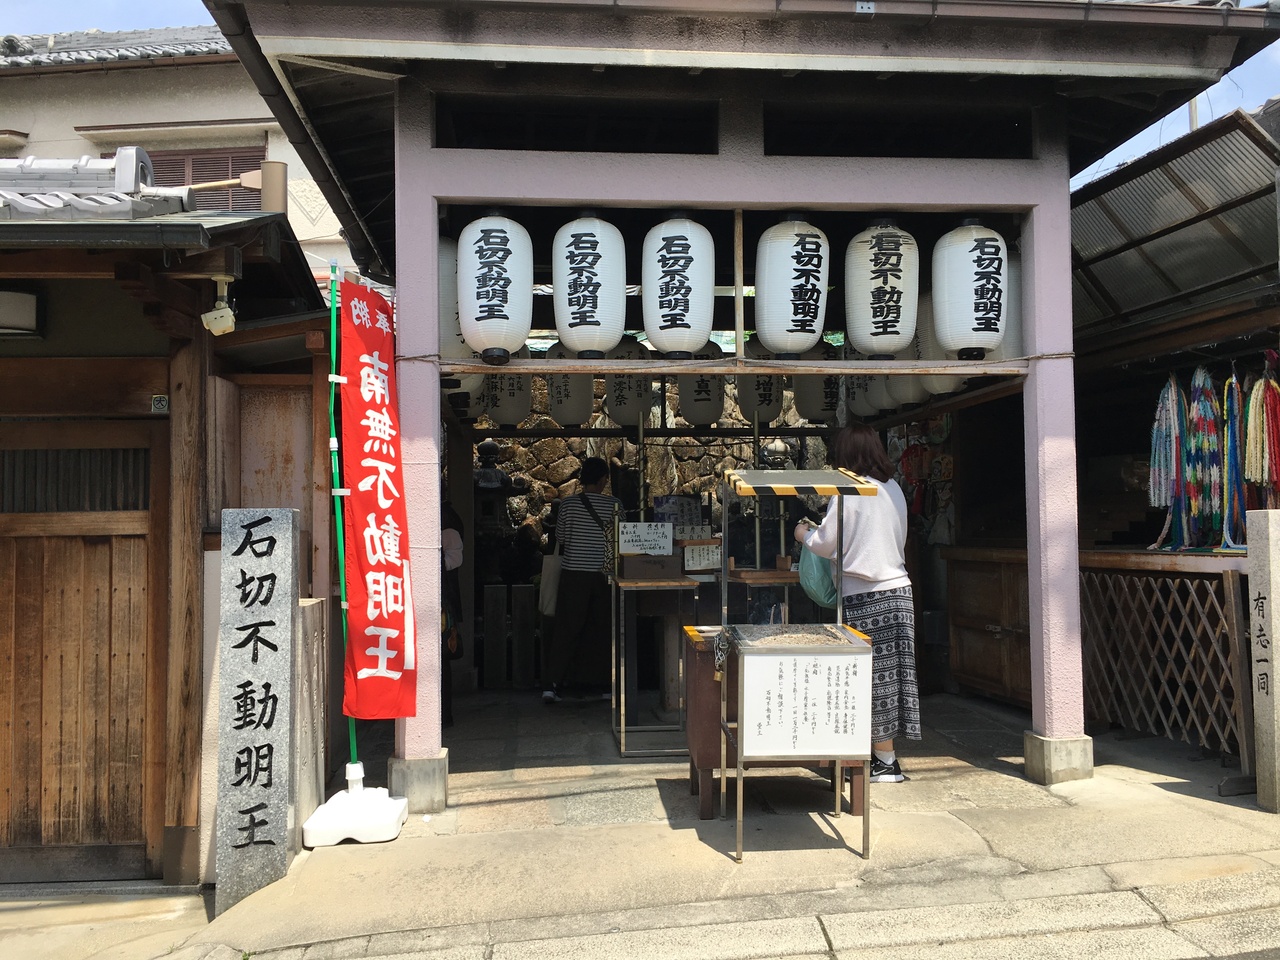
(333, 456)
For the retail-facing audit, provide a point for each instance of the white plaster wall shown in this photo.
(49, 107)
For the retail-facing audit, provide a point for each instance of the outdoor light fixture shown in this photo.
(19, 314)
(220, 319)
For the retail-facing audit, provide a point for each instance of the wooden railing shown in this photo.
(1165, 642)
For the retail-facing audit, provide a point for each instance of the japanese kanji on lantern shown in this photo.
(570, 396)
(495, 287)
(677, 287)
(702, 394)
(759, 394)
(970, 277)
(793, 261)
(628, 397)
(381, 661)
(589, 286)
(509, 396)
(882, 284)
(817, 396)
(452, 344)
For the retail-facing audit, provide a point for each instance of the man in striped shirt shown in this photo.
(584, 531)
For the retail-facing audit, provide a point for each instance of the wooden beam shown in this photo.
(108, 387)
(143, 284)
(185, 692)
(1181, 336)
(60, 264)
(271, 379)
(98, 523)
(170, 322)
(272, 331)
(207, 264)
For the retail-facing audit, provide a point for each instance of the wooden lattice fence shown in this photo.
(1162, 654)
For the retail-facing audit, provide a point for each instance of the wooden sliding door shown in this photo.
(83, 616)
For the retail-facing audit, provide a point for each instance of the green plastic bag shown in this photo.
(817, 578)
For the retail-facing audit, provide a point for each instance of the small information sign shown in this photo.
(679, 510)
(702, 557)
(653, 539)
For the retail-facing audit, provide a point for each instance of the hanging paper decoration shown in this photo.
(882, 285)
(936, 384)
(908, 388)
(1233, 504)
(509, 395)
(759, 394)
(381, 660)
(702, 394)
(452, 345)
(570, 396)
(589, 286)
(878, 393)
(1167, 482)
(970, 281)
(1203, 456)
(856, 387)
(817, 397)
(628, 398)
(495, 287)
(793, 260)
(677, 287)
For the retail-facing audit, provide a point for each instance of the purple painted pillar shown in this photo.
(419, 770)
(1056, 748)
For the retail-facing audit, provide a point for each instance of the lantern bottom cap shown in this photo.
(880, 356)
(786, 356)
(971, 353)
(678, 355)
(590, 354)
(495, 355)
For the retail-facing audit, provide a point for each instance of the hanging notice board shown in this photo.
(805, 692)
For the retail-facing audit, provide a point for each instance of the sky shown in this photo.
(1247, 87)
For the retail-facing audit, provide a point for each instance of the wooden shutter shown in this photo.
(175, 168)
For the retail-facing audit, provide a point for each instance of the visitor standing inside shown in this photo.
(450, 601)
(582, 638)
(875, 589)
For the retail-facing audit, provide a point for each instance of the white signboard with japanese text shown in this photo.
(677, 509)
(811, 701)
(702, 557)
(651, 539)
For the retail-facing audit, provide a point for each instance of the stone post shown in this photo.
(1264, 624)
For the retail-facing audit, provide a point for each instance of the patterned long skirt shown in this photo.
(888, 618)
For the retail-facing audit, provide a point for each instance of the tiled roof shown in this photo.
(94, 46)
(90, 188)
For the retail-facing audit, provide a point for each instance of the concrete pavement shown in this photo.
(553, 846)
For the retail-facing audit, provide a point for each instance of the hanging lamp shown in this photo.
(589, 286)
(970, 283)
(570, 396)
(882, 285)
(495, 287)
(677, 287)
(702, 394)
(793, 262)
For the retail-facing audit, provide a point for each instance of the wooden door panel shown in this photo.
(83, 604)
(977, 592)
(128, 669)
(28, 605)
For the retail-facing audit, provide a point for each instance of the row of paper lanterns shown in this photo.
(628, 398)
(486, 283)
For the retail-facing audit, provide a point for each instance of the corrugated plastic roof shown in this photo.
(1185, 225)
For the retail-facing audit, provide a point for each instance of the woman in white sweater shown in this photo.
(875, 588)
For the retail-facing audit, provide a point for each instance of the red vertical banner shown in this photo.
(381, 663)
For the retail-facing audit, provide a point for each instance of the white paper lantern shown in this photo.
(628, 398)
(970, 286)
(908, 388)
(510, 398)
(495, 287)
(452, 346)
(817, 397)
(882, 285)
(677, 287)
(935, 383)
(702, 394)
(878, 394)
(759, 394)
(1012, 347)
(589, 286)
(793, 262)
(857, 387)
(570, 396)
